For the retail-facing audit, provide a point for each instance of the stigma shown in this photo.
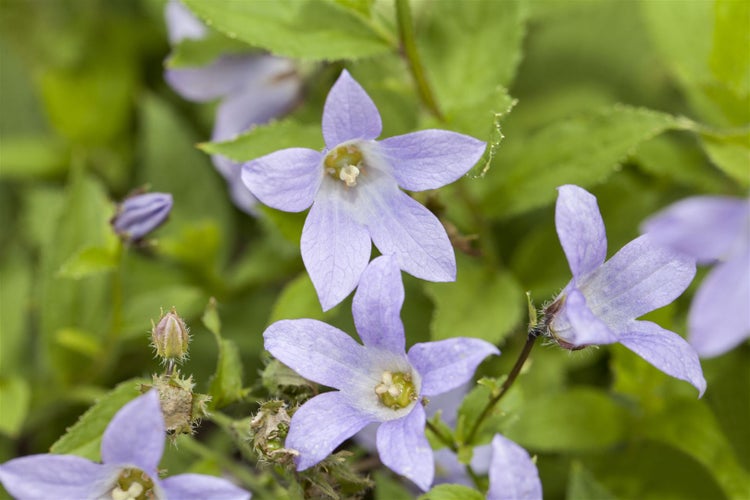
(344, 163)
(396, 390)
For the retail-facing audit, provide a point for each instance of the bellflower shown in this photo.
(253, 88)
(140, 214)
(712, 230)
(353, 188)
(374, 382)
(513, 475)
(132, 447)
(602, 301)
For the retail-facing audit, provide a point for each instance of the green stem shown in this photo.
(442, 437)
(409, 44)
(530, 340)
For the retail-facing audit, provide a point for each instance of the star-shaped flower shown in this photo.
(253, 88)
(353, 187)
(513, 475)
(132, 447)
(602, 301)
(712, 230)
(375, 382)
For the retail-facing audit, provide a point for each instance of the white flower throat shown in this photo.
(344, 163)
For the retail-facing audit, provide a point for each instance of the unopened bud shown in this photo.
(170, 337)
(140, 214)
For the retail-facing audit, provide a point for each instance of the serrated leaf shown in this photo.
(191, 53)
(264, 139)
(304, 29)
(84, 437)
(583, 150)
(91, 260)
(579, 420)
(482, 304)
(452, 492)
(226, 383)
(15, 398)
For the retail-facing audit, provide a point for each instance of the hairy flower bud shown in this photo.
(170, 337)
(140, 214)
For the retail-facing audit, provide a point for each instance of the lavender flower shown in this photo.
(602, 301)
(513, 475)
(140, 214)
(132, 446)
(712, 230)
(253, 88)
(353, 187)
(377, 382)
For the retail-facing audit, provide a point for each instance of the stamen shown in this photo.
(396, 390)
(349, 175)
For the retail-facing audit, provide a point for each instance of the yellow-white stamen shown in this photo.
(349, 175)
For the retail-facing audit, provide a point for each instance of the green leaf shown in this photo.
(79, 341)
(387, 488)
(579, 420)
(84, 437)
(690, 427)
(303, 29)
(470, 48)
(149, 297)
(452, 492)
(32, 157)
(15, 398)
(15, 295)
(226, 383)
(190, 53)
(583, 150)
(583, 486)
(730, 53)
(298, 299)
(731, 154)
(264, 139)
(91, 260)
(487, 305)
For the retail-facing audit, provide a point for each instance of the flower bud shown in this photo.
(170, 337)
(140, 214)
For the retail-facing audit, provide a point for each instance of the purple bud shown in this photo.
(140, 214)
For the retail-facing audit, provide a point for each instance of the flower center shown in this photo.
(344, 163)
(396, 390)
(133, 484)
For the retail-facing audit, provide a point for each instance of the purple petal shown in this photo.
(641, 277)
(581, 229)
(449, 470)
(403, 448)
(241, 195)
(286, 180)
(513, 475)
(135, 436)
(335, 247)
(448, 403)
(704, 227)
(447, 364)
(349, 113)
(320, 425)
(377, 306)
(268, 92)
(666, 350)
(317, 351)
(200, 486)
(430, 159)
(181, 23)
(719, 317)
(401, 227)
(63, 477)
(225, 75)
(576, 324)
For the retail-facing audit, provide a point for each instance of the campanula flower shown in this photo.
(712, 230)
(374, 382)
(140, 214)
(353, 188)
(513, 475)
(602, 301)
(253, 89)
(132, 447)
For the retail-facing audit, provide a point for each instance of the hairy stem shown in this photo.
(409, 44)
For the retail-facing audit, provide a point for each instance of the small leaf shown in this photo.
(84, 437)
(298, 300)
(452, 492)
(264, 139)
(303, 29)
(15, 398)
(226, 383)
(583, 486)
(487, 305)
(190, 53)
(91, 260)
(731, 154)
(32, 157)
